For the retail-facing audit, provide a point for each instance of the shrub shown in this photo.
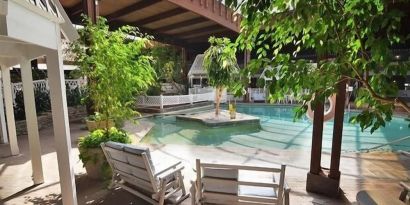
(74, 96)
(42, 101)
(92, 156)
(95, 138)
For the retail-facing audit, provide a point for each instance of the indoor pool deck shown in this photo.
(360, 171)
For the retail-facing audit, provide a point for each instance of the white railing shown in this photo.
(257, 94)
(404, 93)
(199, 90)
(261, 94)
(42, 85)
(163, 100)
(172, 88)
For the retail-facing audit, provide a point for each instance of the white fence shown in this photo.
(199, 90)
(261, 94)
(42, 85)
(172, 88)
(163, 100)
(404, 93)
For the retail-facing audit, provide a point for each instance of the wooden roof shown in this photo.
(186, 23)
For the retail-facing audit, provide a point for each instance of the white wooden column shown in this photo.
(61, 126)
(31, 121)
(8, 101)
(4, 137)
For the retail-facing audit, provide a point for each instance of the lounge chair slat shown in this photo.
(242, 167)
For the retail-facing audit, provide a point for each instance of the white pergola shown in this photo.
(30, 29)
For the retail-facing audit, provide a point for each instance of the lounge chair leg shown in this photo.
(112, 183)
(403, 195)
(193, 193)
(162, 193)
(181, 183)
(287, 198)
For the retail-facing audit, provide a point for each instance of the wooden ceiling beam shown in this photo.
(131, 8)
(75, 10)
(202, 38)
(182, 24)
(163, 15)
(214, 10)
(169, 39)
(198, 30)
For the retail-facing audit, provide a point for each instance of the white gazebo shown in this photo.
(197, 71)
(30, 29)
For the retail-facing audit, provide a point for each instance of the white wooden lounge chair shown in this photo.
(133, 170)
(239, 185)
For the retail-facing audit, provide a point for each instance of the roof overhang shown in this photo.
(185, 23)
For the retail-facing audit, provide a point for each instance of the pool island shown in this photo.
(223, 119)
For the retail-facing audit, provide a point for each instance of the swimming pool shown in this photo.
(277, 130)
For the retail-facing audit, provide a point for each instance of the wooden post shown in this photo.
(61, 125)
(338, 130)
(161, 102)
(8, 103)
(90, 8)
(317, 136)
(31, 119)
(4, 136)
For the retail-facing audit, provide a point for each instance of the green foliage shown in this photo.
(351, 38)
(221, 65)
(220, 62)
(74, 96)
(167, 62)
(115, 66)
(95, 138)
(42, 102)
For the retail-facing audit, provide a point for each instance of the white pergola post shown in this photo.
(31, 121)
(4, 137)
(61, 126)
(8, 101)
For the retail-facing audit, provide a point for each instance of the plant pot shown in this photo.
(232, 114)
(93, 125)
(95, 163)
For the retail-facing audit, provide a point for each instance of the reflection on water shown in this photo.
(277, 130)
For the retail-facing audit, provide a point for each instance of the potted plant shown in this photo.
(116, 69)
(91, 154)
(96, 121)
(232, 110)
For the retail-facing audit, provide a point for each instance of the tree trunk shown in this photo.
(219, 91)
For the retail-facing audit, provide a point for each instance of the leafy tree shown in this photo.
(167, 62)
(221, 65)
(352, 40)
(116, 67)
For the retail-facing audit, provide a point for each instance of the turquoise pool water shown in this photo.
(277, 130)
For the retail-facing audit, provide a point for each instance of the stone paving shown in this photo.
(376, 170)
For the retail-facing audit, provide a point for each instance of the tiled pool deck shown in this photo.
(375, 170)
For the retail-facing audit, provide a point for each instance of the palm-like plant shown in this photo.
(221, 65)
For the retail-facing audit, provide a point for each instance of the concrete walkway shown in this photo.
(374, 170)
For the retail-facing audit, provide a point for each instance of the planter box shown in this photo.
(96, 165)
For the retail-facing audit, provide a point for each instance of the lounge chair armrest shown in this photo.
(405, 185)
(169, 172)
(173, 166)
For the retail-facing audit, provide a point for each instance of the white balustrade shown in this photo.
(164, 100)
(42, 85)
